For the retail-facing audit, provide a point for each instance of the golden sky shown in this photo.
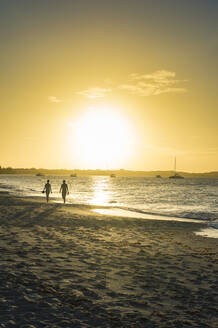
(109, 84)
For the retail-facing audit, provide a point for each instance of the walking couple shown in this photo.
(63, 189)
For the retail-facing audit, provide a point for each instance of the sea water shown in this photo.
(186, 198)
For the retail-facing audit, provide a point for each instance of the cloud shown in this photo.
(206, 152)
(162, 76)
(153, 84)
(94, 92)
(108, 81)
(54, 99)
(211, 151)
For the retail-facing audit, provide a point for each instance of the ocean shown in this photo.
(195, 199)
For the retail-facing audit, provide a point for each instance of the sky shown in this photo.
(91, 84)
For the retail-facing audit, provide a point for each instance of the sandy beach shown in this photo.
(65, 266)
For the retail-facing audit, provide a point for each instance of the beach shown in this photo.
(67, 266)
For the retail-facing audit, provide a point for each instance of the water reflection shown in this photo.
(101, 191)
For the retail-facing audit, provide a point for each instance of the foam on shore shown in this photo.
(136, 215)
(208, 232)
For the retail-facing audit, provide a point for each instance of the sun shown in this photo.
(103, 138)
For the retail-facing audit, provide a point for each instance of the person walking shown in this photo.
(47, 190)
(64, 190)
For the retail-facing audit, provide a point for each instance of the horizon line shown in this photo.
(105, 170)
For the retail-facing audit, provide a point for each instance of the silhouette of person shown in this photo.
(47, 190)
(64, 190)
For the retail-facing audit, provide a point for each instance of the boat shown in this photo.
(176, 175)
(40, 175)
(73, 175)
(158, 176)
(113, 175)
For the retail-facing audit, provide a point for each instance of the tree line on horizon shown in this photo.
(121, 172)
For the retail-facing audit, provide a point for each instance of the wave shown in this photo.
(204, 216)
(3, 186)
(214, 224)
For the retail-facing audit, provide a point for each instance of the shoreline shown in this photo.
(64, 266)
(173, 199)
(109, 210)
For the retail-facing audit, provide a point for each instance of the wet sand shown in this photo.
(65, 266)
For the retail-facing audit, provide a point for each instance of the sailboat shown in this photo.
(176, 175)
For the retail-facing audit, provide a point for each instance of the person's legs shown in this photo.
(64, 196)
(47, 196)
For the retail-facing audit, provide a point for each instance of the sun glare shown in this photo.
(103, 138)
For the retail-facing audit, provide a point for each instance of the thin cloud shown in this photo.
(206, 152)
(54, 99)
(153, 84)
(161, 76)
(94, 92)
(108, 81)
(167, 150)
(184, 152)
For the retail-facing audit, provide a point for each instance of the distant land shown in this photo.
(118, 173)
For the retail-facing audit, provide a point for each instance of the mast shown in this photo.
(175, 165)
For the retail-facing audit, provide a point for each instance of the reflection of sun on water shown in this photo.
(101, 194)
(102, 139)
